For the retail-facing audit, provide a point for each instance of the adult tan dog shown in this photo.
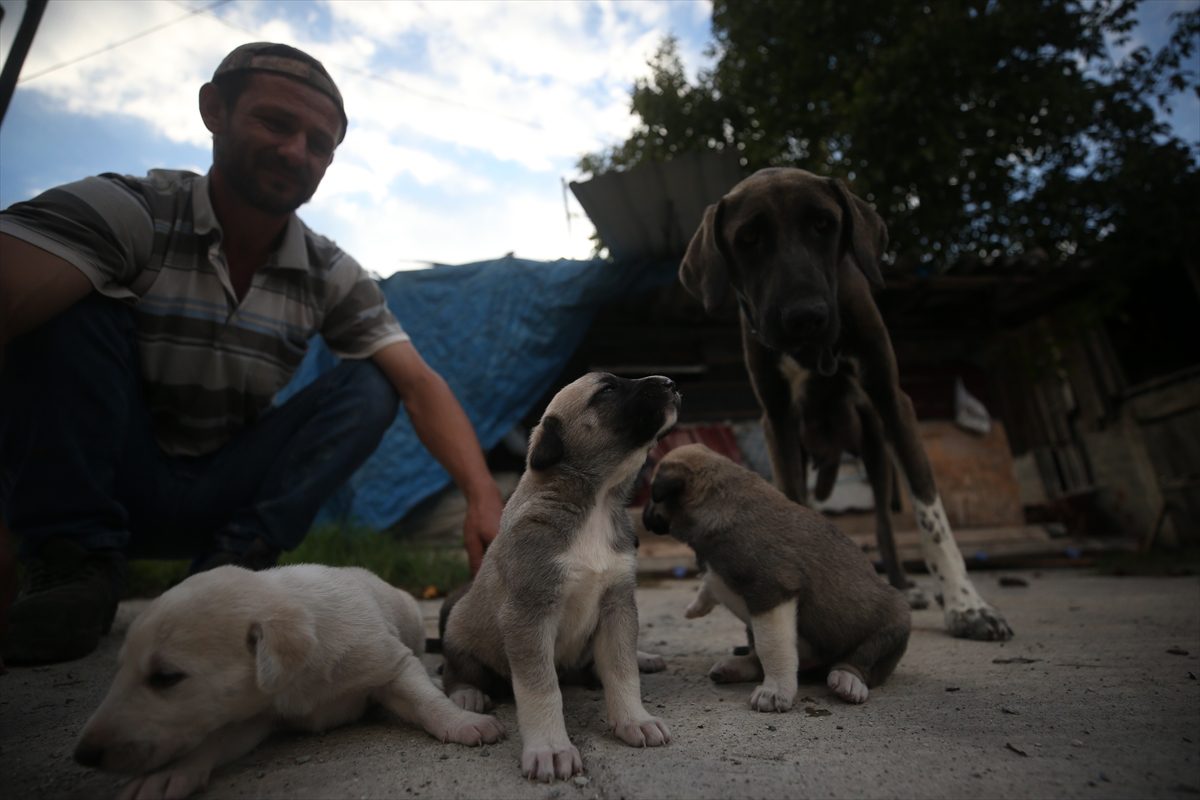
(808, 594)
(556, 589)
(801, 254)
(216, 663)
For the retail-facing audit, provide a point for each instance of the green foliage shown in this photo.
(411, 566)
(979, 128)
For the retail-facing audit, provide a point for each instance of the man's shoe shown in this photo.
(258, 557)
(67, 602)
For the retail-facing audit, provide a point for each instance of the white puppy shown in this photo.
(212, 666)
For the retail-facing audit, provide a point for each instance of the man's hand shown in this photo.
(481, 525)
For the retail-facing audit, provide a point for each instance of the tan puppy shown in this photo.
(556, 589)
(810, 597)
(212, 666)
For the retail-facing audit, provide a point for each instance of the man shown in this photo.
(146, 325)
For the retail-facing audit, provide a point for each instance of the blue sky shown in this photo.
(466, 117)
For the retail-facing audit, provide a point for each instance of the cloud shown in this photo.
(491, 103)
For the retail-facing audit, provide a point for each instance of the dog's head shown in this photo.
(209, 652)
(684, 483)
(778, 240)
(603, 425)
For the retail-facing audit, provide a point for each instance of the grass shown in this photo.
(422, 569)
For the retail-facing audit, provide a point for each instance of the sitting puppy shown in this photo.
(212, 666)
(809, 595)
(556, 589)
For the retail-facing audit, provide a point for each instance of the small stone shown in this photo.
(303, 759)
(1076, 743)
(582, 780)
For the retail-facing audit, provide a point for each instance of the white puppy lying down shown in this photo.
(212, 666)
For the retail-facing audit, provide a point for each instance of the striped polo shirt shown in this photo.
(210, 364)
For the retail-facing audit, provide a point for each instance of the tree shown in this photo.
(979, 128)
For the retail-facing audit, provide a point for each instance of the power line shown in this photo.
(123, 42)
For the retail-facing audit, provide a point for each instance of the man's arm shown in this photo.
(35, 286)
(443, 427)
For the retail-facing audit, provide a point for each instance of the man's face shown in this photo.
(277, 142)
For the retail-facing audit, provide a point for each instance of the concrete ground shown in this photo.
(1096, 697)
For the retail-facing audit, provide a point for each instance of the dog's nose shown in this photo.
(805, 318)
(89, 755)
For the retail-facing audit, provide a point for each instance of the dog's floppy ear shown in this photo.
(703, 271)
(282, 643)
(546, 446)
(864, 234)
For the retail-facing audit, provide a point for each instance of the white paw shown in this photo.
(473, 729)
(650, 662)
(649, 732)
(165, 785)
(981, 622)
(468, 698)
(769, 696)
(847, 686)
(736, 669)
(548, 762)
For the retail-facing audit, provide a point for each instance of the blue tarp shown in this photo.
(500, 333)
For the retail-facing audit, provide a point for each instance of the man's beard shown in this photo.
(243, 168)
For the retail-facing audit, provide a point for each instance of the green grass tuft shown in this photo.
(412, 566)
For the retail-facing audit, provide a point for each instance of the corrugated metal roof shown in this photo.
(652, 210)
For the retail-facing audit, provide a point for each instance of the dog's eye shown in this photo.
(164, 680)
(822, 223)
(605, 389)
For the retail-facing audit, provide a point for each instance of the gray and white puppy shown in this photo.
(810, 597)
(556, 588)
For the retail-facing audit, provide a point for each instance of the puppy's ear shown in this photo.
(546, 447)
(864, 234)
(282, 644)
(704, 272)
(667, 484)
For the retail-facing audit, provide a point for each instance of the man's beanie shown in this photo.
(286, 60)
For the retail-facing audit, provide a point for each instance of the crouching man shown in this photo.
(145, 326)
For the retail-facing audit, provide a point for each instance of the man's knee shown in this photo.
(374, 399)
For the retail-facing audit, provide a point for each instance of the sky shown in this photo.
(466, 118)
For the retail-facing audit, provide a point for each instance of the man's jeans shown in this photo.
(78, 457)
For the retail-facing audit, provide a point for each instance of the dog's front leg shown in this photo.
(615, 653)
(547, 752)
(775, 645)
(411, 695)
(702, 603)
(967, 615)
(190, 772)
(781, 425)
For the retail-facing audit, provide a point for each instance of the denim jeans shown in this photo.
(78, 457)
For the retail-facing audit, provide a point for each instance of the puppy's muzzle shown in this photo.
(654, 521)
